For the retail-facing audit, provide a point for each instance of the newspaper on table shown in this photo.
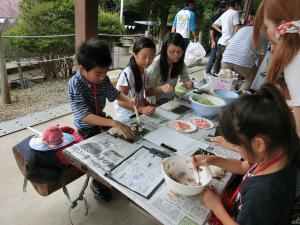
(101, 153)
(174, 209)
(187, 210)
(153, 122)
(181, 210)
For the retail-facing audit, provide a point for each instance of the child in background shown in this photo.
(144, 52)
(164, 72)
(88, 90)
(262, 129)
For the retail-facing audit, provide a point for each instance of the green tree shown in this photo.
(39, 18)
(156, 10)
(51, 17)
(109, 23)
(161, 11)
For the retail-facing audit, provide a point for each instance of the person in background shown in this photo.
(185, 22)
(143, 55)
(88, 90)
(166, 68)
(241, 56)
(214, 36)
(281, 21)
(251, 16)
(229, 22)
(262, 129)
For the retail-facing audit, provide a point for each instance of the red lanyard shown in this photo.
(97, 106)
(249, 174)
(94, 91)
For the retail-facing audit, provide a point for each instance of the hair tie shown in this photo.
(292, 27)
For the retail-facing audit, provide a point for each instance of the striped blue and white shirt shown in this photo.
(83, 101)
(240, 50)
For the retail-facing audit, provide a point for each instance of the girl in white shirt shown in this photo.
(144, 52)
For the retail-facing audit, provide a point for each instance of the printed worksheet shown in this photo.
(141, 172)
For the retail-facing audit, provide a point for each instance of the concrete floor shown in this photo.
(29, 208)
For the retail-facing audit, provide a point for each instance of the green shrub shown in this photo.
(109, 23)
(55, 17)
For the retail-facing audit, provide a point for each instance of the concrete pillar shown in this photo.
(86, 20)
(5, 95)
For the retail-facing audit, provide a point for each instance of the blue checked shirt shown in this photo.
(83, 100)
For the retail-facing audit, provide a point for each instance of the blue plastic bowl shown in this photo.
(227, 96)
(208, 111)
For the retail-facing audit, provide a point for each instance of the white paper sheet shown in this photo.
(183, 144)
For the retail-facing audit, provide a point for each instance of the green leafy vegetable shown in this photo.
(204, 101)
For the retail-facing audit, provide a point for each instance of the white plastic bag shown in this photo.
(194, 53)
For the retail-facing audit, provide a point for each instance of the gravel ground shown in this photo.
(37, 98)
(48, 95)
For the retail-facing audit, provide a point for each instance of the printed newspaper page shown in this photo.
(102, 152)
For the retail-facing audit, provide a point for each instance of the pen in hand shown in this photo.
(168, 147)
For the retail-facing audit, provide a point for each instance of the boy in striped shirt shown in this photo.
(88, 90)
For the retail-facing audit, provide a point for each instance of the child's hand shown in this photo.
(135, 102)
(220, 140)
(167, 88)
(202, 160)
(189, 85)
(148, 110)
(210, 198)
(124, 130)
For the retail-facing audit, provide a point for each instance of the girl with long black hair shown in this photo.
(164, 72)
(144, 52)
(261, 127)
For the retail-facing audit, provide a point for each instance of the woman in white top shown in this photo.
(144, 52)
(164, 72)
(281, 21)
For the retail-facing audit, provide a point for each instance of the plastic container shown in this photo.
(227, 96)
(204, 83)
(205, 110)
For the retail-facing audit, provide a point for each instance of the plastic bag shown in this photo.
(194, 53)
(260, 77)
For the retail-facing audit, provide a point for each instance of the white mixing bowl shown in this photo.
(181, 177)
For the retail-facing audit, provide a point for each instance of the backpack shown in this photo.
(43, 166)
(49, 171)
